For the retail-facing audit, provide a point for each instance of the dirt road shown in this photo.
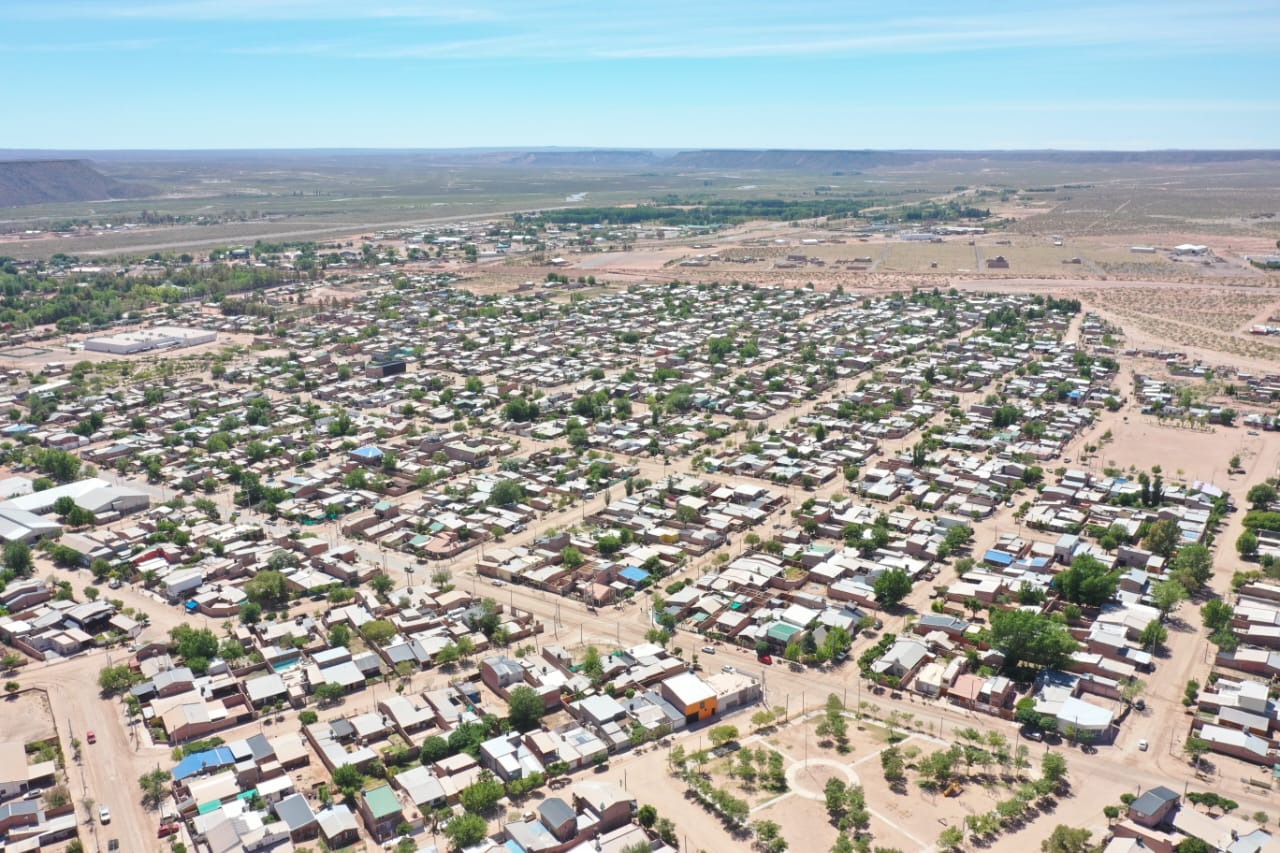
(108, 771)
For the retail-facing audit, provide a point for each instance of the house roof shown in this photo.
(295, 811)
(1153, 800)
(382, 801)
(555, 811)
(200, 761)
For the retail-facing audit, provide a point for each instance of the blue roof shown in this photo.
(998, 558)
(367, 452)
(17, 428)
(634, 574)
(197, 762)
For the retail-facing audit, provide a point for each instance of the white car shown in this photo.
(728, 668)
(1142, 745)
(104, 814)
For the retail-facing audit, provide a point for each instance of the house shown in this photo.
(901, 660)
(381, 811)
(691, 696)
(295, 812)
(1151, 809)
(338, 826)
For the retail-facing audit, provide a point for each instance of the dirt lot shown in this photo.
(27, 717)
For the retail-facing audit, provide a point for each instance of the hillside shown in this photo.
(809, 161)
(24, 182)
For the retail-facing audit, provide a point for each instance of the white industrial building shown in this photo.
(157, 337)
(94, 494)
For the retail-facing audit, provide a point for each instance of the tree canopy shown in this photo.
(526, 708)
(1025, 636)
(892, 586)
(1087, 581)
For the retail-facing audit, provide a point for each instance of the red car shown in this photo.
(765, 659)
(91, 737)
(167, 829)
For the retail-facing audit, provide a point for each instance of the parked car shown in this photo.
(728, 668)
(1142, 745)
(765, 659)
(104, 814)
(708, 650)
(1032, 733)
(166, 829)
(33, 794)
(91, 737)
(114, 583)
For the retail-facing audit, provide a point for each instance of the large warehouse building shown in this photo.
(157, 337)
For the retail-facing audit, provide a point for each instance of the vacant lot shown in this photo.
(27, 717)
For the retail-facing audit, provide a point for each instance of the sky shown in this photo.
(1004, 74)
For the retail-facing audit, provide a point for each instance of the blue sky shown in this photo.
(86, 74)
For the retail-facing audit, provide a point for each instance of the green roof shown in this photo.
(382, 801)
(781, 631)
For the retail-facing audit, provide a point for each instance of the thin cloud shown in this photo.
(249, 10)
(82, 47)
(641, 37)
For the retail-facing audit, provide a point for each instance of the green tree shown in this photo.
(1192, 566)
(834, 794)
(483, 794)
(1154, 635)
(433, 749)
(78, 516)
(526, 708)
(891, 587)
(466, 830)
(348, 779)
(1196, 747)
(951, 839)
(378, 631)
(1247, 544)
(194, 642)
(720, 735)
(1053, 767)
(327, 693)
(1217, 614)
(116, 679)
(1087, 581)
(1025, 636)
(1066, 839)
(1162, 537)
(506, 493)
(1261, 496)
(593, 665)
(153, 787)
(267, 588)
(1167, 595)
(17, 558)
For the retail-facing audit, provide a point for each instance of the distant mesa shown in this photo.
(808, 161)
(24, 182)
